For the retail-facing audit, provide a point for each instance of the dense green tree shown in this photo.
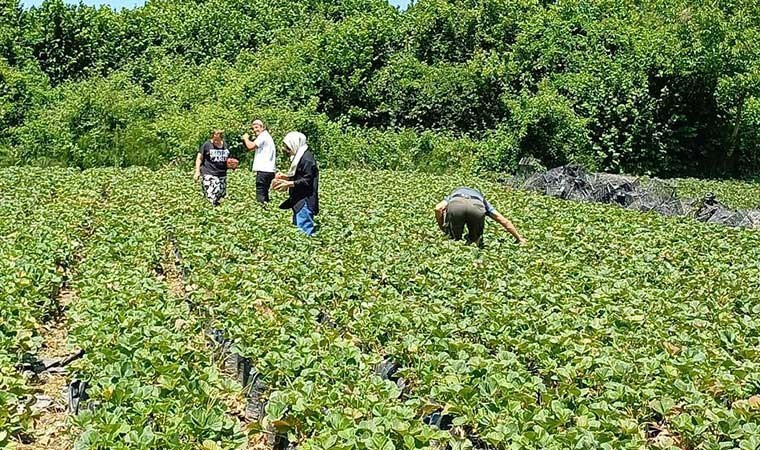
(11, 41)
(72, 42)
(662, 87)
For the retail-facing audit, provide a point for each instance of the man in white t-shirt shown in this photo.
(264, 160)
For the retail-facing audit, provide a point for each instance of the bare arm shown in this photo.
(249, 144)
(507, 225)
(198, 161)
(440, 212)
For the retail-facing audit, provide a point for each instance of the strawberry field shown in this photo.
(611, 329)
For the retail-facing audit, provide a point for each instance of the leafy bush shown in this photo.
(94, 123)
(456, 97)
(655, 87)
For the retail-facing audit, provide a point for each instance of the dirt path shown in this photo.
(50, 425)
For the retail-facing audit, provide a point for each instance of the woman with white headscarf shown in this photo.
(301, 181)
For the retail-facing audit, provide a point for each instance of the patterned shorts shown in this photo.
(214, 188)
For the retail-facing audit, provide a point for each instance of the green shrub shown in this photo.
(665, 88)
(86, 125)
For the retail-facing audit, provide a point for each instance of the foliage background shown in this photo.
(668, 88)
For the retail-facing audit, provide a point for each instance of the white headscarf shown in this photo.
(295, 141)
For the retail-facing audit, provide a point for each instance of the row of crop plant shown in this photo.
(246, 265)
(43, 218)
(146, 380)
(613, 330)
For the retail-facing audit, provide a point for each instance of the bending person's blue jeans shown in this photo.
(304, 220)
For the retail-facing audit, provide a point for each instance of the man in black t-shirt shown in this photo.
(211, 166)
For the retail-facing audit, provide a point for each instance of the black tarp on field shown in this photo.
(639, 194)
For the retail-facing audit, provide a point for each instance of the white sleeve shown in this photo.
(259, 141)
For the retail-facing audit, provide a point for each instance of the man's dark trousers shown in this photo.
(263, 181)
(466, 211)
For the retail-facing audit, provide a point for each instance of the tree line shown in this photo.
(661, 87)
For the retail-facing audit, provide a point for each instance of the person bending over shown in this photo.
(467, 206)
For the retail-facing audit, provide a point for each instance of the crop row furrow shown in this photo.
(149, 382)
